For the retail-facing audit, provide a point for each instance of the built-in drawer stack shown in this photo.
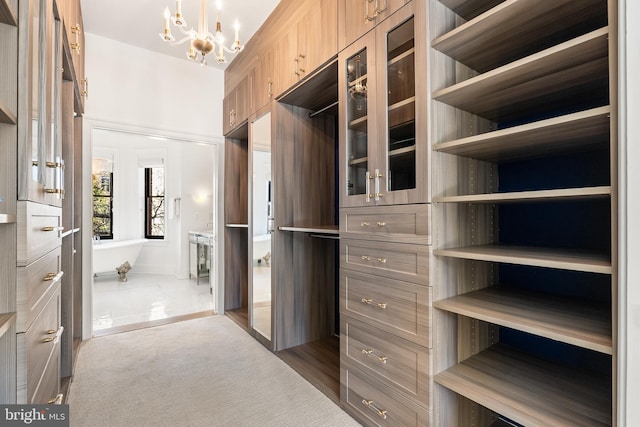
(38, 302)
(385, 314)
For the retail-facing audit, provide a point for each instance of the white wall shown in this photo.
(630, 212)
(142, 92)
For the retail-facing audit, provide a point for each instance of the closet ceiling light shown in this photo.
(201, 42)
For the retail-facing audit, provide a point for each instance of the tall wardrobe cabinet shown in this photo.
(41, 100)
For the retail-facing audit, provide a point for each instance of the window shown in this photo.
(154, 202)
(103, 204)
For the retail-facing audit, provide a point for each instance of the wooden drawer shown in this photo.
(409, 263)
(35, 284)
(374, 404)
(401, 364)
(47, 390)
(407, 307)
(39, 230)
(35, 348)
(401, 223)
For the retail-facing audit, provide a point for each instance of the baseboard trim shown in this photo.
(151, 323)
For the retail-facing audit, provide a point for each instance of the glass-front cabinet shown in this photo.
(382, 128)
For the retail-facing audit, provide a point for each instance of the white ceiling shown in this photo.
(138, 22)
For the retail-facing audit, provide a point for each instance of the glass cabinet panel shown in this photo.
(401, 111)
(357, 136)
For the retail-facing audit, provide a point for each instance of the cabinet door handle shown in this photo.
(368, 18)
(269, 88)
(376, 185)
(56, 337)
(56, 400)
(49, 277)
(85, 87)
(369, 404)
(367, 184)
(76, 44)
(369, 352)
(51, 228)
(369, 301)
(381, 224)
(364, 224)
(382, 260)
(232, 117)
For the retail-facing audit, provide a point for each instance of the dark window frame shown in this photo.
(109, 196)
(148, 204)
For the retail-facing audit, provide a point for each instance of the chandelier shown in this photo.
(201, 42)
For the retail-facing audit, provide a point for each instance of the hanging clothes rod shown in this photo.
(322, 110)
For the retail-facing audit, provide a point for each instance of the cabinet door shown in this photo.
(244, 104)
(34, 88)
(285, 60)
(357, 17)
(401, 171)
(263, 80)
(54, 190)
(312, 50)
(356, 78)
(229, 113)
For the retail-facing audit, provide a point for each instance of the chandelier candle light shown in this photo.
(202, 41)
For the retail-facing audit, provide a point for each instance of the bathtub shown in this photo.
(108, 255)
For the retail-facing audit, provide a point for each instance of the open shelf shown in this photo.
(563, 259)
(6, 116)
(583, 193)
(359, 124)
(358, 161)
(7, 15)
(401, 56)
(518, 28)
(401, 151)
(529, 390)
(579, 323)
(320, 229)
(469, 9)
(554, 76)
(6, 320)
(558, 134)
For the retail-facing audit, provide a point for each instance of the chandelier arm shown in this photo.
(182, 40)
(185, 32)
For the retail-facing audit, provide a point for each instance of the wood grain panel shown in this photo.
(373, 403)
(392, 260)
(8, 268)
(49, 385)
(7, 12)
(398, 363)
(469, 9)
(407, 307)
(402, 224)
(39, 230)
(587, 325)
(36, 282)
(531, 391)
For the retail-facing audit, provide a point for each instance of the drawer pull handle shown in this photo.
(369, 404)
(366, 258)
(56, 400)
(56, 337)
(369, 352)
(49, 277)
(364, 224)
(369, 301)
(382, 260)
(51, 228)
(381, 223)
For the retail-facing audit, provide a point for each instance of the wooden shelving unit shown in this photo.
(524, 101)
(580, 323)
(319, 229)
(531, 391)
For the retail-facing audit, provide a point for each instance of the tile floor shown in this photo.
(146, 297)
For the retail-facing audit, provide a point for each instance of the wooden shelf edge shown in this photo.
(237, 225)
(549, 132)
(533, 256)
(7, 219)
(6, 320)
(529, 196)
(320, 229)
(7, 15)
(529, 390)
(6, 116)
(582, 324)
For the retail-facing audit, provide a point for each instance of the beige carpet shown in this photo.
(201, 372)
